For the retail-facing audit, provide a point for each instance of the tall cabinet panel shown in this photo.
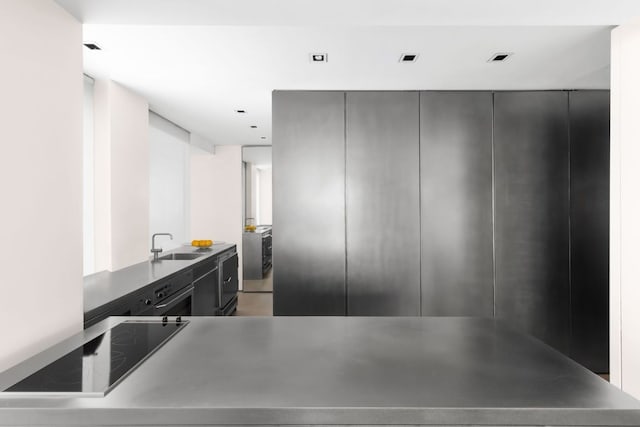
(456, 186)
(308, 203)
(531, 146)
(589, 133)
(383, 208)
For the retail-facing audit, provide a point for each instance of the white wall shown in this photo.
(89, 256)
(41, 105)
(265, 195)
(625, 209)
(216, 196)
(121, 122)
(169, 169)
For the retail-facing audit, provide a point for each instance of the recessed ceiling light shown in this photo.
(254, 127)
(500, 57)
(241, 111)
(318, 57)
(409, 57)
(92, 46)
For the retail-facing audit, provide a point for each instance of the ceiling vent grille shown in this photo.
(500, 57)
(409, 57)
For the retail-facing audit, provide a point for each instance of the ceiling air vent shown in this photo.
(318, 57)
(409, 57)
(92, 46)
(500, 57)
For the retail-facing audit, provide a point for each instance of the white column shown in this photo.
(625, 209)
(41, 107)
(121, 176)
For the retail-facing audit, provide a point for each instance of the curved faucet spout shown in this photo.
(155, 251)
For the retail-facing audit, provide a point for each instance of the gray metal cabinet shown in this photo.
(308, 203)
(382, 201)
(589, 134)
(532, 213)
(256, 253)
(456, 203)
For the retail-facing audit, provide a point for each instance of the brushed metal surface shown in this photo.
(531, 146)
(383, 203)
(337, 371)
(456, 203)
(308, 203)
(589, 138)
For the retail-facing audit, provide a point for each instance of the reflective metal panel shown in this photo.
(589, 118)
(531, 147)
(383, 212)
(456, 203)
(308, 203)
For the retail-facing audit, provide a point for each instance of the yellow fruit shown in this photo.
(194, 243)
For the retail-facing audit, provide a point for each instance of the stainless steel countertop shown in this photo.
(337, 370)
(105, 287)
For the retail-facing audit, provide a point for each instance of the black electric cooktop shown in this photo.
(96, 367)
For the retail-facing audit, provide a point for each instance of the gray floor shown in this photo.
(257, 297)
(264, 285)
(255, 304)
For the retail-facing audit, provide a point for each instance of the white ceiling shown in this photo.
(198, 61)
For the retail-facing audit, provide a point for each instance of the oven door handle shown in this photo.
(174, 300)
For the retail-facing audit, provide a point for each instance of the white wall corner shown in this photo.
(202, 143)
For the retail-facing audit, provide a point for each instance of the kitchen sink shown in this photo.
(177, 257)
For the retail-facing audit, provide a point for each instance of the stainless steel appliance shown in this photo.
(93, 369)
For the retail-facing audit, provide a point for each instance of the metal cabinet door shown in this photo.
(308, 203)
(531, 146)
(383, 204)
(456, 203)
(589, 118)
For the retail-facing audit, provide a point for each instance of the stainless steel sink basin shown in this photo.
(177, 257)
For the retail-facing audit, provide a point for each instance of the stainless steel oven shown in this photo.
(170, 297)
(175, 305)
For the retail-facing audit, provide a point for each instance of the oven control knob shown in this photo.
(147, 302)
(160, 295)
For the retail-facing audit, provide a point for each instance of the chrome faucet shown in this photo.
(155, 251)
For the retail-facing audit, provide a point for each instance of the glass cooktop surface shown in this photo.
(97, 366)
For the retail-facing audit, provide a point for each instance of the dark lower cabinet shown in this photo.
(589, 133)
(456, 203)
(531, 145)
